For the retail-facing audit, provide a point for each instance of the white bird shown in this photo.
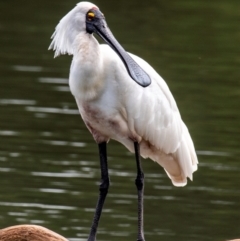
(121, 97)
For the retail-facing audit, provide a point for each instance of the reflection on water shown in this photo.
(213, 153)
(53, 80)
(17, 102)
(36, 205)
(28, 68)
(49, 168)
(52, 110)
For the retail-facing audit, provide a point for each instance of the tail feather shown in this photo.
(187, 159)
(183, 163)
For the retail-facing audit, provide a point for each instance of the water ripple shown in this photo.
(212, 189)
(52, 190)
(64, 174)
(17, 102)
(219, 202)
(119, 234)
(220, 166)
(213, 153)
(53, 80)
(19, 214)
(26, 68)
(8, 133)
(62, 88)
(123, 201)
(64, 143)
(147, 197)
(6, 169)
(53, 110)
(36, 221)
(162, 187)
(37, 205)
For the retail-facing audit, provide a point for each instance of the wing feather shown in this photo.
(158, 121)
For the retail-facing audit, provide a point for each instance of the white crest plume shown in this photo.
(68, 28)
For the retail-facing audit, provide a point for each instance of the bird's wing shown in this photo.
(154, 116)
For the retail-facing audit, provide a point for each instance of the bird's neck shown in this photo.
(86, 70)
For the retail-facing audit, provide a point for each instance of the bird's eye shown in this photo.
(90, 16)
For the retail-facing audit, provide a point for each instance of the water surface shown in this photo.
(49, 168)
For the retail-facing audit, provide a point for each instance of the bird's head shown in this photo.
(87, 18)
(69, 27)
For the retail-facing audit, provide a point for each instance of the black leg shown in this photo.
(140, 188)
(103, 190)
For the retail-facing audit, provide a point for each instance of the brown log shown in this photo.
(29, 233)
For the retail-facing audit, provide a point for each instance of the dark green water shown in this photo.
(49, 168)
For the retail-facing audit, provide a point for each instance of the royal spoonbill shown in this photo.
(121, 97)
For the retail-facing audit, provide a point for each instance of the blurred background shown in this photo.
(49, 167)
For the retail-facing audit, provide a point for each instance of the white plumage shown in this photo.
(113, 106)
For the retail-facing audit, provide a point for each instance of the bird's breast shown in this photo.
(104, 123)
